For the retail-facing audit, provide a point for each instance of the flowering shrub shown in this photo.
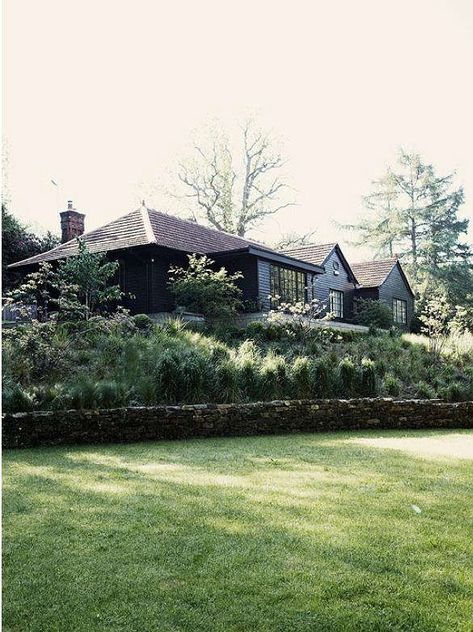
(300, 313)
(200, 288)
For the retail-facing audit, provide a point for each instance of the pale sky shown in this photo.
(102, 96)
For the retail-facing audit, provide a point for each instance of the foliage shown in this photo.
(234, 198)
(125, 360)
(77, 289)
(295, 240)
(19, 243)
(435, 319)
(91, 275)
(202, 289)
(37, 290)
(348, 376)
(369, 387)
(413, 212)
(371, 312)
(143, 323)
(299, 315)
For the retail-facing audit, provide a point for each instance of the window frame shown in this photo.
(340, 296)
(399, 308)
(287, 283)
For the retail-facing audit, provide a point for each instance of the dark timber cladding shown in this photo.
(385, 281)
(334, 289)
(147, 243)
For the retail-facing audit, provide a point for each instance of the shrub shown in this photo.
(368, 382)
(391, 384)
(201, 288)
(301, 378)
(110, 394)
(453, 392)
(257, 330)
(169, 377)
(81, 395)
(347, 372)
(143, 323)
(227, 383)
(425, 391)
(196, 376)
(273, 377)
(16, 399)
(144, 392)
(373, 313)
(323, 377)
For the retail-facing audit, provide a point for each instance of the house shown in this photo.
(386, 281)
(147, 242)
(336, 287)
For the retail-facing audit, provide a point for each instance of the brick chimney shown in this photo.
(72, 223)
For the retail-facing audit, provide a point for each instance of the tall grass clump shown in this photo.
(273, 377)
(323, 377)
(368, 381)
(302, 386)
(227, 383)
(348, 376)
(247, 363)
(391, 385)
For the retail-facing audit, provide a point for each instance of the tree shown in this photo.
(19, 243)
(78, 288)
(35, 296)
(293, 240)
(202, 289)
(435, 319)
(413, 212)
(234, 198)
(90, 274)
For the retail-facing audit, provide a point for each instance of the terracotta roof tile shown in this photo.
(316, 253)
(148, 226)
(373, 273)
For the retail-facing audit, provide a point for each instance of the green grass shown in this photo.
(288, 533)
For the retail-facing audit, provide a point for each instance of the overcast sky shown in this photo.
(102, 96)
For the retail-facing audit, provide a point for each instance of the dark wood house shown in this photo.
(147, 242)
(335, 288)
(386, 281)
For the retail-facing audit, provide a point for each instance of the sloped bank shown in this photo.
(220, 420)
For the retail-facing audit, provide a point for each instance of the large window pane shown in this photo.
(288, 284)
(336, 303)
(399, 311)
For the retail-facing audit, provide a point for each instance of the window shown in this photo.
(289, 285)
(336, 268)
(336, 303)
(399, 311)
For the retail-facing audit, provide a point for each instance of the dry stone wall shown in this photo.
(220, 420)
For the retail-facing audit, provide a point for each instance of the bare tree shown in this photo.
(235, 199)
(293, 240)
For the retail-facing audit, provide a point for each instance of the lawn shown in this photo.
(336, 532)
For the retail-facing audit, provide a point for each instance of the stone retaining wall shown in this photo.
(219, 420)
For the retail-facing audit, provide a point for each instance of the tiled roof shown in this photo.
(373, 273)
(316, 253)
(147, 226)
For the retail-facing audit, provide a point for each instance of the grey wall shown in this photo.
(247, 265)
(395, 287)
(264, 283)
(325, 282)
